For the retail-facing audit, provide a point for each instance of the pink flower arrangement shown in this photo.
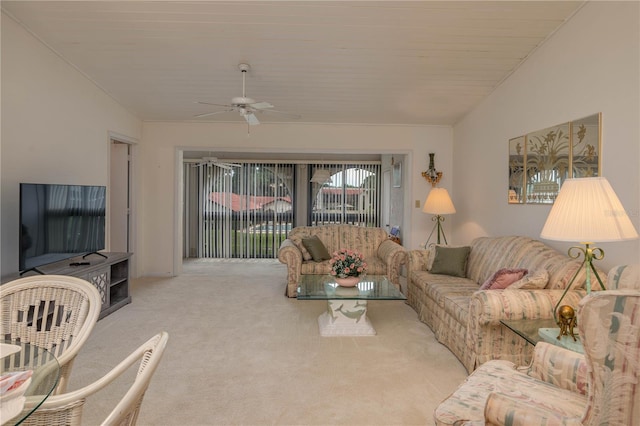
(347, 263)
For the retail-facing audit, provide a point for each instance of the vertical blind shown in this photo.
(247, 211)
(352, 195)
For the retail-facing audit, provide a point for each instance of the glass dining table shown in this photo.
(18, 357)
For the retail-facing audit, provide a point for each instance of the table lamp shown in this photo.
(439, 203)
(587, 210)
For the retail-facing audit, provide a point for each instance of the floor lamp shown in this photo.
(438, 203)
(587, 210)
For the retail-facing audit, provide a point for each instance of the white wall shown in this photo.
(590, 65)
(158, 205)
(55, 126)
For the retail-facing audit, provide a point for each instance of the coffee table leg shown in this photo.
(345, 318)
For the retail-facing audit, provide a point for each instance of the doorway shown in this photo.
(120, 183)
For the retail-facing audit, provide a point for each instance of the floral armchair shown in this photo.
(561, 386)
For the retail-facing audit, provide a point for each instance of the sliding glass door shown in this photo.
(246, 209)
(349, 194)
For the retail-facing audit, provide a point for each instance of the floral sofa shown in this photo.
(561, 386)
(383, 256)
(467, 319)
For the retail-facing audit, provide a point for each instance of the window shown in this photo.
(351, 195)
(247, 211)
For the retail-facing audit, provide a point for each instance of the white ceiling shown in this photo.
(395, 62)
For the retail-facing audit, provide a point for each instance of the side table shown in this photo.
(550, 335)
(536, 330)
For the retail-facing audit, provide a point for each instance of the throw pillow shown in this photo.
(431, 254)
(535, 280)
(316, 248)
(503, 278)
(450, 261)
(297, 240)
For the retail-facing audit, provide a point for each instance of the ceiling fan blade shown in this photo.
(227, 166)
(212, 113)
(251, 118)
(209, 103)
(222, 166)
(274, 111)
(261, 105)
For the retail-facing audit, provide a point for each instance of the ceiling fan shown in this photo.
(247, 107)
(214, 161)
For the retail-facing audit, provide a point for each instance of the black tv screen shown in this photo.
(58, 222)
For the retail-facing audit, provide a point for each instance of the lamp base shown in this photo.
(437, 227)
(589, 253)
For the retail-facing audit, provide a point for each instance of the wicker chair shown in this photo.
(65, 310)
(66, 409)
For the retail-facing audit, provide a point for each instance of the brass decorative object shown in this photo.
(431, 174)
(567, 321)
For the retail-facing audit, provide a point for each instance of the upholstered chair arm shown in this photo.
(491, 306)
(623, 276)
(391, 252)
(417, 261)
(503, 409)
(488, 339)
(394, 256)
(290, 255)
(558, 366)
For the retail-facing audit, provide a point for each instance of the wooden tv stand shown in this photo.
(110, 275)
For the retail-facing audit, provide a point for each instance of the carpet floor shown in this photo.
(240, 352)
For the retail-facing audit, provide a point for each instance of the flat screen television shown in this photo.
(58, 222)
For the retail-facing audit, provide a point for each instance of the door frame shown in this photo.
(132, 223)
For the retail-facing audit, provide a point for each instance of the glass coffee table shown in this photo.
(346, 313)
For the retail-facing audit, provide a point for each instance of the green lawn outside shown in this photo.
(260, 245)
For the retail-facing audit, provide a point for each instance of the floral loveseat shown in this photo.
(383, 256)
(467, 319)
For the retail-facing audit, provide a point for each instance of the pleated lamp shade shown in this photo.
(588, 210)
(438, 202)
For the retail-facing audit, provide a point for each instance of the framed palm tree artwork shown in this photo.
(540, 161)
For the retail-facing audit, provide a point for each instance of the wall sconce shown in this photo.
(431, 174)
